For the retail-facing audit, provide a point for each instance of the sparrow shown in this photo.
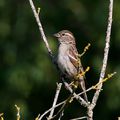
(68, 61)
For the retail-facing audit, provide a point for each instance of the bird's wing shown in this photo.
(73, 56)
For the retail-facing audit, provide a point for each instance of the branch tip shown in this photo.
(1, 116)
(18, 112)
(37, 118)
(38, 10)
(85, 49)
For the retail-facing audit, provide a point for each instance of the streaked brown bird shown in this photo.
(67, 58)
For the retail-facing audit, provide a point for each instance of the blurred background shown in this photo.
(28, 77)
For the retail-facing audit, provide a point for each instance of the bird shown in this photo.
(68, 61)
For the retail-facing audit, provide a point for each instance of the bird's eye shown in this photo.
(63, 34)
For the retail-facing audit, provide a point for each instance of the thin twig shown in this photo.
(85, 49)
(55, 99)
(80, 99)
(47, 111)
(62, 114)
(36, 14)
(105, 59)
(80, 118)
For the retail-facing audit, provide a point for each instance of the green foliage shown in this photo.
(28, 77)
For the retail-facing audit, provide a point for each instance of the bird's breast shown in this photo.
(64, 62)
(62, 57)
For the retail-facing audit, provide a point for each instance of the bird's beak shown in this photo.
(57, 35)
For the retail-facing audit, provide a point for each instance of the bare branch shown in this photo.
(55, 99)
(106, 51)
(36, 14)
(105, 59)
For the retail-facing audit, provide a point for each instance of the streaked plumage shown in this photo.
(67, 58)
